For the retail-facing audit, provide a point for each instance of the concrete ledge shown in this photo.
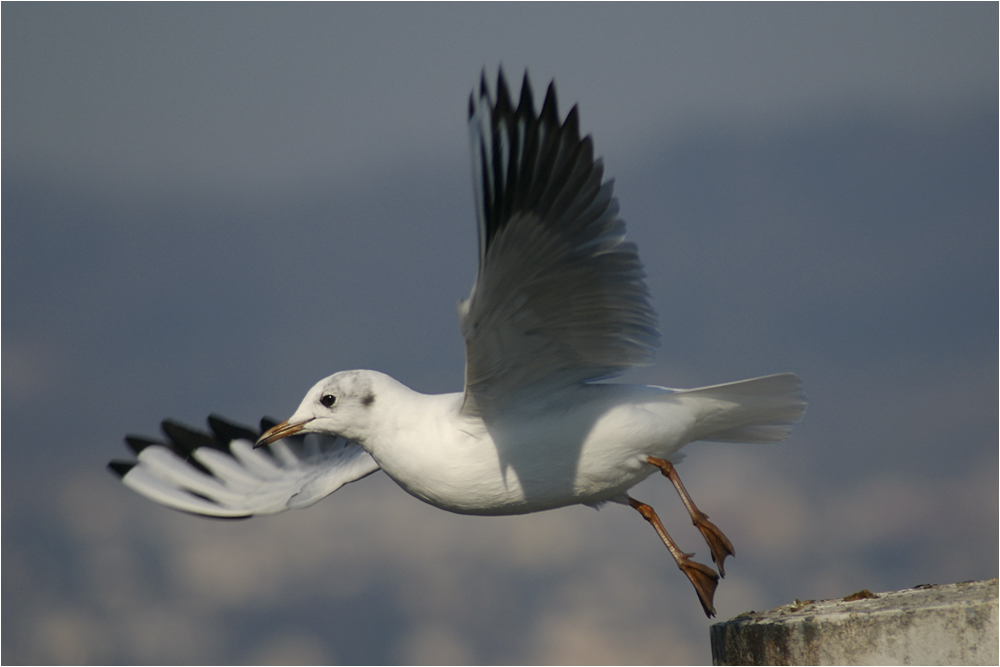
(950, 624)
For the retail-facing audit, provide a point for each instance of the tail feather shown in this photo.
(759, 410)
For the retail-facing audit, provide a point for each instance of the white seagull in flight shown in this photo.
(558, 306)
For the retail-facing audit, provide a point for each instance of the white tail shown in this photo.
(759, 410)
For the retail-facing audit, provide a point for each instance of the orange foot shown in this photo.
(719, 544)
(704, 580)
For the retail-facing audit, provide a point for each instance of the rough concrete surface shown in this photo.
(931, 625)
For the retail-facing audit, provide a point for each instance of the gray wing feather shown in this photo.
(559, 297)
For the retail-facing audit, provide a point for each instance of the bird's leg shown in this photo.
(717, 542)
(702, 577)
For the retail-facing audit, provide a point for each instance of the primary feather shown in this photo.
(559, 297)
(220, 474)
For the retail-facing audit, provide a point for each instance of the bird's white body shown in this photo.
(583, 445)
(580, 444)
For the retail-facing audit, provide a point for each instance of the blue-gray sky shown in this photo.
(206, 208)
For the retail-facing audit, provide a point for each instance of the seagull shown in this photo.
(558, 307)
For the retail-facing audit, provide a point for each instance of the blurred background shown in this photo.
(207, 208)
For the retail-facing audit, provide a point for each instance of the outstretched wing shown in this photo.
(220, 474)
(559, 297)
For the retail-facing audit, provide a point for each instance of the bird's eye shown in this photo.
(328, 400)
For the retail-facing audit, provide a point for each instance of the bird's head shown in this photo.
(340, 405)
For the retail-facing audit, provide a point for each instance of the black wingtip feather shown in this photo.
(138, 443)
(120, 468)
(572, 124)
(226, 431)
(526, 105)
(503, 104)
(550, 107)
(185, 439)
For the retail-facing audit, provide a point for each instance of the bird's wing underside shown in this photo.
(220, 474)
(559, 297)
